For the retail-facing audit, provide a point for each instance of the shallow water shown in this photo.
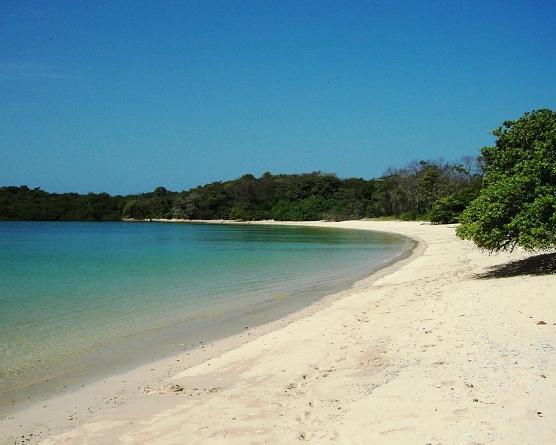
(75, 295)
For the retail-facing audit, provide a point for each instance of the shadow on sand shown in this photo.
(544, 264)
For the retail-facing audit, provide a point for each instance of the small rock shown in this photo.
(541, 322)
(175, 388)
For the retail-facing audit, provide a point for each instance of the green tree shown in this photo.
(137, 209)
(517, 205)
(448, 209)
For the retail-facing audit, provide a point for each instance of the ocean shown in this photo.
(79, 300)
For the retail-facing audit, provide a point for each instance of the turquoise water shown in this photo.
(74, 291)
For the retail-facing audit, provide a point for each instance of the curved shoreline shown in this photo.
(50, 416)
(453, 346)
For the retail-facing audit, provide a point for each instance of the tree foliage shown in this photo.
(23, 203)
(517, 205)
(408, 192)
(413, 191)
(311, 196)
(448, 209)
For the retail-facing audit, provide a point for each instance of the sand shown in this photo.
(452, 346)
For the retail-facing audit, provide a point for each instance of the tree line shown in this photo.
(26, 204)
(425, 189)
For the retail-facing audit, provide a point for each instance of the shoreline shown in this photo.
(449, 346)
(51, 415)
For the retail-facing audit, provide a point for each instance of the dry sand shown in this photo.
(449, 348)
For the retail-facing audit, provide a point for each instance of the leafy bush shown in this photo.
(448, 210)
(517, 206)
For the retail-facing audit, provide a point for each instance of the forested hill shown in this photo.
(422, 189)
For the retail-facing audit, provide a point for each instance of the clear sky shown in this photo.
(124, 96)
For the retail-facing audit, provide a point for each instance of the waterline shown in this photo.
(82, 299)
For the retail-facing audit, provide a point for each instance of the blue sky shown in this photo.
(125, 96)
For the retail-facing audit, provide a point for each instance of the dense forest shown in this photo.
(433, 190)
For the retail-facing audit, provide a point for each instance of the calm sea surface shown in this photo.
(79, 299)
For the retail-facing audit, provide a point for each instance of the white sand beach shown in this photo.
(450, 346)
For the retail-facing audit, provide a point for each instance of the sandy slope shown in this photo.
(431, 353)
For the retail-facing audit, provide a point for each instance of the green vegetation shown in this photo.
(282, 197)
(517, 205)
(23, 203)
(449, 209)
(408, 193)
(428, 190)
